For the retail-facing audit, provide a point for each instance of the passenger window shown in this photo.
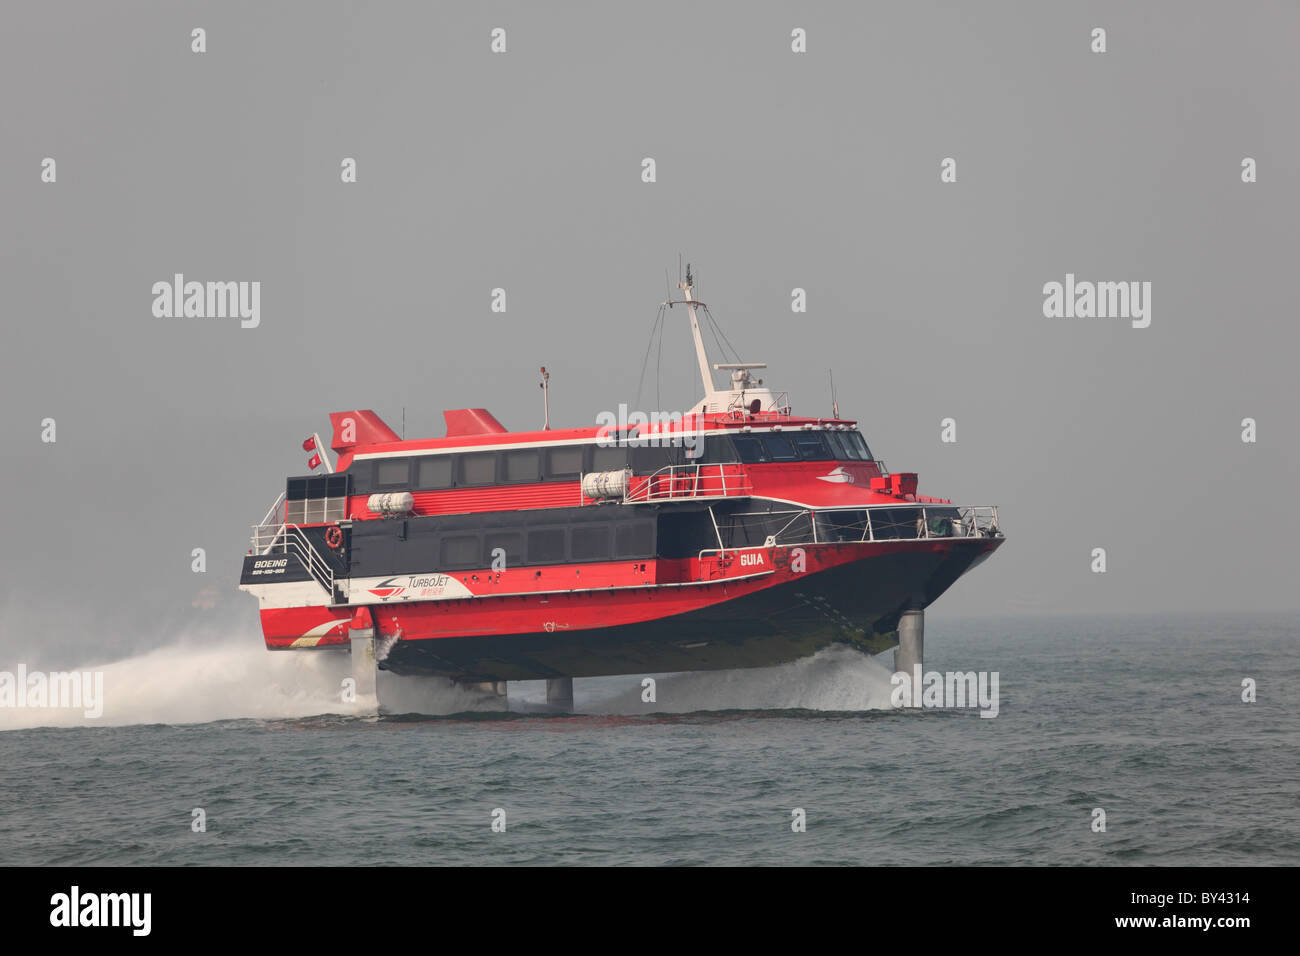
(634, 540)
(476, 469)
(563, 462)
(590, 543)
(511, 542)
(460, 551)
(612, 458)
(521, 465)
(433, 471)
(393, 473)
(545, 545)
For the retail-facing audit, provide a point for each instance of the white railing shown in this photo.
(779, 408)
(290, 539)
(874, 524)
(697, 481)
(272, 522)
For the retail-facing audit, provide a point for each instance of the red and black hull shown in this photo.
(845, 593)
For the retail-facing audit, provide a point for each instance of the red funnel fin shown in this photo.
(471, 421)
(358, 428)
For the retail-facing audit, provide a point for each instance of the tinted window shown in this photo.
(433, 471)
(634, 540)
(511, 542)
(889, 523)
(476, 469)
(860, 443)
(683, 535)
(839, 446)
(812, 446)
(841, 525)
(613, 458)
(780, 448)
(393, 472)
(648, 459)
(750, 449)
(718, 448)
(460, 551)
(546, 544)
(590, 543)
(363, 476)
(521, 465)
(563, 462)
(857, 449)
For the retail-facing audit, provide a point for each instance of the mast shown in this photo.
(701, 356)
(546, 399)
(742, 383)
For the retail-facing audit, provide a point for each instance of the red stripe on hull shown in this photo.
(591, 599)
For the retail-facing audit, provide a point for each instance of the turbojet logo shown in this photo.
(61, 689)
(1102, 300)
(613, 429)
(102, 909)
(953, 689)
(837, 476)
(208, 300)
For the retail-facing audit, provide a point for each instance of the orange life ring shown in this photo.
(334, 537)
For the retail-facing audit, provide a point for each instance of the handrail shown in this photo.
(290, 539)
(972, 522)
(697, 481)
(266, 521)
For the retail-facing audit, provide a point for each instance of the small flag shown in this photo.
(313, 461)
(309, 443)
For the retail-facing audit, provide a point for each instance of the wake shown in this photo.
(194, 682)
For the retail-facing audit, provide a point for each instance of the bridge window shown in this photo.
(317, 499)
(780, 448)
(750, 449)
(812, 446)
(860, 444)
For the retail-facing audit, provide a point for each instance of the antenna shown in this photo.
(700, 355)
(835, 406)
(546, 399)
(403, 423)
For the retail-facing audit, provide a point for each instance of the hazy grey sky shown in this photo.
(775, 170)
